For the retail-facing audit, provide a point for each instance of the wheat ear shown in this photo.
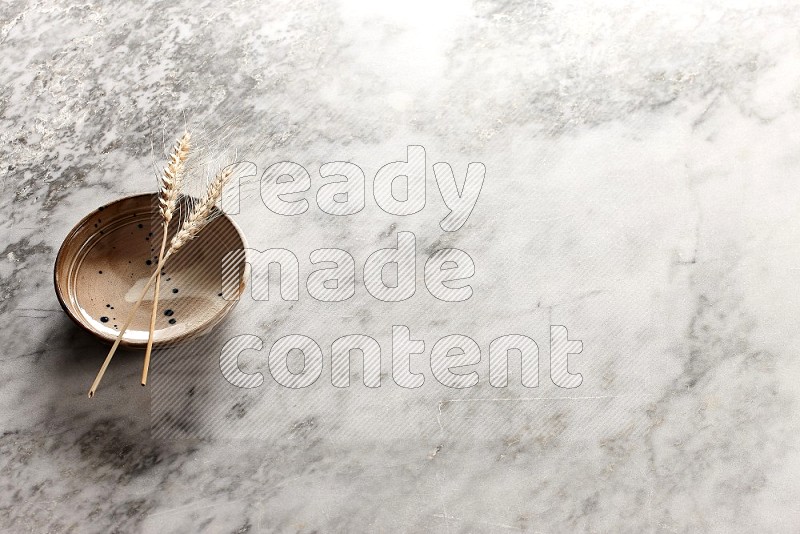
(201, 215)
(171, 181)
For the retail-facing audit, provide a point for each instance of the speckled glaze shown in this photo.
(106, 260)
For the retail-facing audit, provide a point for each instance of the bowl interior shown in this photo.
(107, 259)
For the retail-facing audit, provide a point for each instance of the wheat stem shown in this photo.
(125, 326)
(156, 293)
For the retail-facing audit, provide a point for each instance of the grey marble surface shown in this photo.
(642, 165)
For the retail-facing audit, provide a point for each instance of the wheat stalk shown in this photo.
(202, 214)
(171, 182)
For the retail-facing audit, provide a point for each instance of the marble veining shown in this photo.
(641, 170)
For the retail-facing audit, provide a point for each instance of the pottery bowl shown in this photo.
(108, 258)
